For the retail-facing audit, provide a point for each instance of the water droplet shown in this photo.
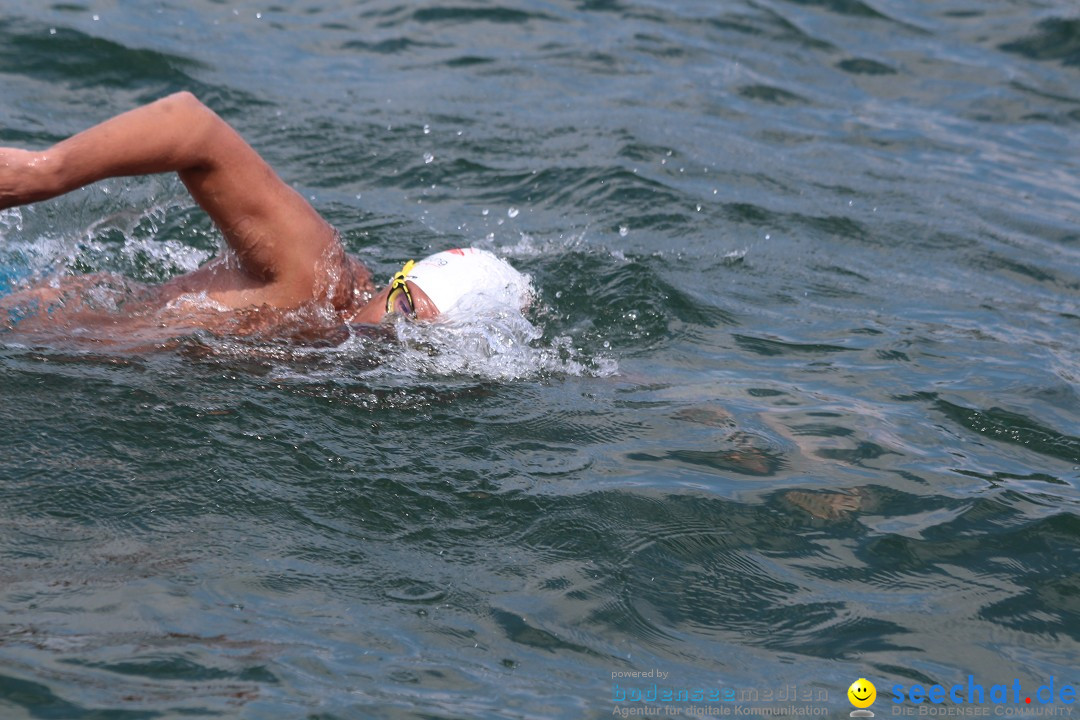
(427, 129)
(699, 208)
(623, 230)
(52, 31)
(96, 18)
(258, 16)
(428, 158)
(607, 344)
(513, 212)
(484, 212)
(767, 236)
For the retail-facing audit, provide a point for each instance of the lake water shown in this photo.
(797, 402)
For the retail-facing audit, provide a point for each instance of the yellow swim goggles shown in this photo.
(400, 298)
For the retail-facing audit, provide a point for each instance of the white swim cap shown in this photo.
(472, 280)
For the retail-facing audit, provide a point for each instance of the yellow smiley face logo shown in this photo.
(862, 693)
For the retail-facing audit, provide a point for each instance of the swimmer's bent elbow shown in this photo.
(202, 130)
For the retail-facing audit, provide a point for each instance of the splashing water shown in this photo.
(12, 267)
(489, 345)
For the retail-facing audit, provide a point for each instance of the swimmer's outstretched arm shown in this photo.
(277, 235)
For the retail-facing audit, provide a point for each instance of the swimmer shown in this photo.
(283, 255)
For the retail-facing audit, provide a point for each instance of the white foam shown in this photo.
(488, 346)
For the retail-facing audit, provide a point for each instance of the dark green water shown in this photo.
(801, 404)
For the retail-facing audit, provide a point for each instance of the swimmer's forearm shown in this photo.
(176, 133)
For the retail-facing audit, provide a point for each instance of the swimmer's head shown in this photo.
(452, 283)
(469, 280)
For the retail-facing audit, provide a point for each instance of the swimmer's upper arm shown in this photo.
(275, 232)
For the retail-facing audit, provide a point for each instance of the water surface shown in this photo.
(797, 403)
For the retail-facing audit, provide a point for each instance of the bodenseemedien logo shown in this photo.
(862, 694)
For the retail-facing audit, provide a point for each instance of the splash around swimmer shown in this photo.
(282, 255)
